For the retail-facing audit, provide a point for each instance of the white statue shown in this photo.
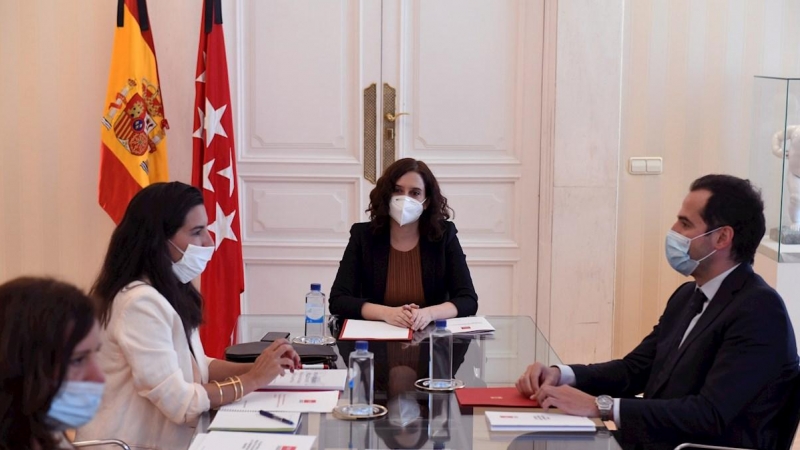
(792, 155)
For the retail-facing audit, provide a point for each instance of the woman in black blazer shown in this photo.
(405, 266)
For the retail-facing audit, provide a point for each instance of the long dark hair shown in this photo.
(41, 322)
(431, 223)
(138, 250)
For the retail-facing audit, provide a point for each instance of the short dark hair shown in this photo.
(437, 212)
(736, 203)
(41, 322)
(139, 249)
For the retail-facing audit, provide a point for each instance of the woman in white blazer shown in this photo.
(158, 378)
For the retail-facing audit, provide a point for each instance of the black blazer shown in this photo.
(728, 381)
(365, 265)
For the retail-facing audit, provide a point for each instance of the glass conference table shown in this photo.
(419, 419)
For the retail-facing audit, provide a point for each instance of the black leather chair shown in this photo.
(789, 417)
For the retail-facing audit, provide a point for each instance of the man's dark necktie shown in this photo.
(694, 308)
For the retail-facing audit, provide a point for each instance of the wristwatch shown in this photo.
(605, 404)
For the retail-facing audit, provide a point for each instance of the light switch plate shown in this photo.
(645, 165)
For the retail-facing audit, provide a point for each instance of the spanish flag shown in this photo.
(133, 149)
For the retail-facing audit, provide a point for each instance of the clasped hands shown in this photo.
(409, 316)
(541, 383)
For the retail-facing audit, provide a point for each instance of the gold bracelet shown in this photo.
(236, 396)
(241, 386)
(221, 396)
(231, 382)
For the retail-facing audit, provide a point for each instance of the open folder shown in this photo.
(369, 330)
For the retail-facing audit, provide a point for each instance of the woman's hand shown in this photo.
(273, 362)
(399, 316)
(420, 317)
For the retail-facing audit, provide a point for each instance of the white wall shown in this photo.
(586, 141)
(55, 59)
(687, 87)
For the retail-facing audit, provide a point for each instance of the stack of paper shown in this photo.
(522, 421)
(317, 401)
(370, 330)
(232, 420)
(310, 380)
(469, 325)
(221, 440)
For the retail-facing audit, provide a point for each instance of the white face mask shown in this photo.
(75, 404)
(403, 411)
(193, 262)
(405, 210)
(677, 250)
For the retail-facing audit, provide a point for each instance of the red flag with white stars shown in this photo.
(214, 172)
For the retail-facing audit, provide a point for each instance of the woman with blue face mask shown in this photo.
(405, 266)
(159, 380)
(49, 378)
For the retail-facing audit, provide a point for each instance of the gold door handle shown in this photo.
(391, 117)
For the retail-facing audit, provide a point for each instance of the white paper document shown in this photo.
(371, 330)
(310, 380)
(469, 325)
(231, 420)
(535, 421)
(274, 401)
(223, 440)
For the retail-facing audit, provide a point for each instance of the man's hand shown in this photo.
(537, 376)
(569, 400)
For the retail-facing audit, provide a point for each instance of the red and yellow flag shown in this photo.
(133, 149)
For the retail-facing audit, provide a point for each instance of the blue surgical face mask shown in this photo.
(75, 404)
(677, 250)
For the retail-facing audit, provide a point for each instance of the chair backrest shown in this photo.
(117, 442)
(789, 415)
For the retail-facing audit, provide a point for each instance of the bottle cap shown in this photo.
(441, 323)
(316, 287)
(361, 345)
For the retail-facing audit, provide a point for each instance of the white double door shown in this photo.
(314, 80)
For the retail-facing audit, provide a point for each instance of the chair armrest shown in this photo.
(709, 447)
(116, 442)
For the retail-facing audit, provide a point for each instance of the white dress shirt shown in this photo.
(709, 289)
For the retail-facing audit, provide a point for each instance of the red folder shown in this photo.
(494, 396)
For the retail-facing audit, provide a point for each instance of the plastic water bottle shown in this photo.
(315, 315)
(441, 365)
(362, 377)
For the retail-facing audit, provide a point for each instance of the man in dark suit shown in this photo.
(718, 366)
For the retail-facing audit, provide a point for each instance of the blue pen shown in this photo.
(274, 417)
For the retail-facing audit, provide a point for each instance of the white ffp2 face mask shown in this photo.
(75, 404)
(405, 210)
(193, 262)
(677, 250)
